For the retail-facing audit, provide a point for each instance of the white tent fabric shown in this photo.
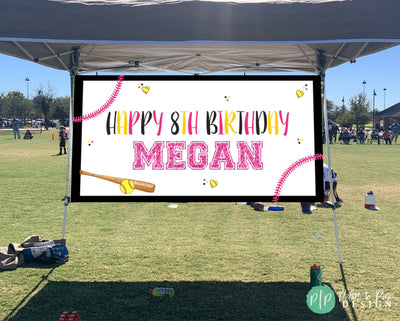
(196, 36)
(188, 57)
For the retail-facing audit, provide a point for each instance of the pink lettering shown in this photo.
(202, 155)
(159, 123)
(154, 155)
(174, 153)
(253, 156)
(286, 123)
(222, 154)
(197, 155)
(133, 119)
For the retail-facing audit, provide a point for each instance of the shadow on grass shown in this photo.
(200, 300)
(337, 205)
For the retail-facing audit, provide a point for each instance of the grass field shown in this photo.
(225, 261)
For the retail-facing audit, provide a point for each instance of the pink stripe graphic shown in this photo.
(289, 171)
(105, 106)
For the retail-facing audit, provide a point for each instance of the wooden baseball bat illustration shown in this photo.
(140, 185)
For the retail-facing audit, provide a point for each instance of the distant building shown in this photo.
(388, 116)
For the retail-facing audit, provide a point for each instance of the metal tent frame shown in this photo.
(320, 68)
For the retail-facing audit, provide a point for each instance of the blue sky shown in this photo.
(380, 70)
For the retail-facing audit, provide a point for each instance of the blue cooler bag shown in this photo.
(59, 252)
(49, 254)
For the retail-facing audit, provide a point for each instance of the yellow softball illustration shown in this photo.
(127, 186)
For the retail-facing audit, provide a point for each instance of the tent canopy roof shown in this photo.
(196, 36)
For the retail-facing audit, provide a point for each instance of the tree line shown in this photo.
(357, 115)
(43, 105)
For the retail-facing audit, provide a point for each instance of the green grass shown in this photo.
(225, 261)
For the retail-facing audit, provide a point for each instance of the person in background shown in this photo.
(335, 130)
(346, 136)
(361, 136)
(387, 137)
(377, 127)
(28, 134)
(330, 131)
(15, 128)
(395, 128)
(63, 138)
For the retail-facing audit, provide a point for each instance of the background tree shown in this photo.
(14, 103)
(359, 107)
(1, 104)
(60, 108)
(346, 119)
(43, 105)
(334, 111)
(42, 102)
(331, 109)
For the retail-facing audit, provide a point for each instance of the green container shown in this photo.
(315, 275)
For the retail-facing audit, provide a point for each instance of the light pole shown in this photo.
(27, 87)
(364, 83)
(41, 108)
(343, 108)
(384, 98)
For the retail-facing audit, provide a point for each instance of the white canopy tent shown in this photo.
(196, 37)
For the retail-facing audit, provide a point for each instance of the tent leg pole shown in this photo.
(67, 197)
(328, 152)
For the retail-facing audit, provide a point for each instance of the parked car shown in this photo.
(51, 123)
(7, 122)
(64, 122)
(37, 122)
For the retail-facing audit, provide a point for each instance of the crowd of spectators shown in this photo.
(363, 136)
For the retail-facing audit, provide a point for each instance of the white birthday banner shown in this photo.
(197, 138)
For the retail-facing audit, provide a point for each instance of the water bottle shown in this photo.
(369, 200)
(169, 292)
(315, 275)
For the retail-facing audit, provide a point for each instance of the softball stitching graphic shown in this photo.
(103, 108)
(289, 171)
